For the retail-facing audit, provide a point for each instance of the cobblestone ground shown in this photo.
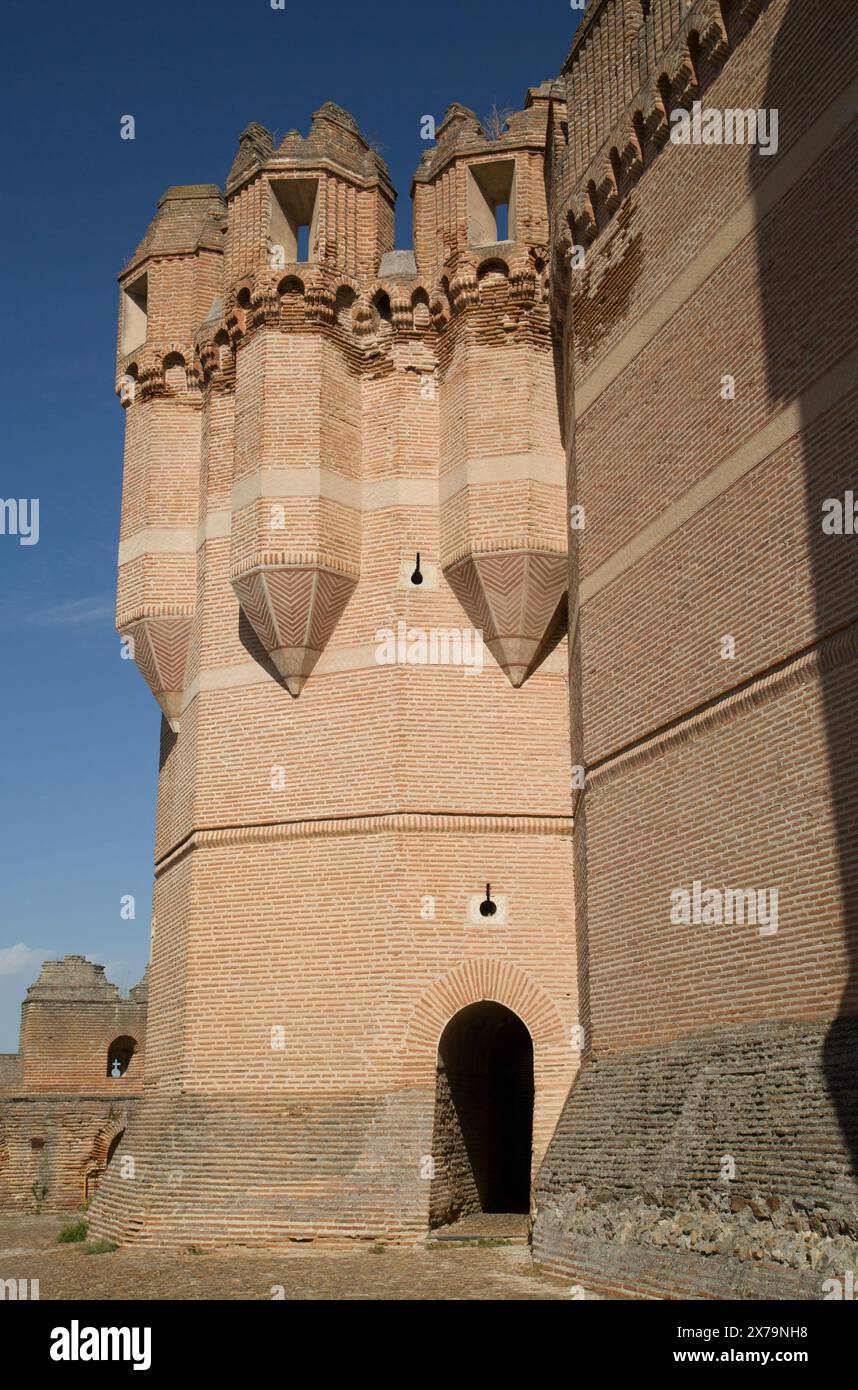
(29, 1250)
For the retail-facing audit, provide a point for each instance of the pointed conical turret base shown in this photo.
(160, 641)
(515, 656)
(512, 595)
(293, 610)
(295, 665)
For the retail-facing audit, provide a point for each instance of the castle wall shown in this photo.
(703, 520)
(666, 329)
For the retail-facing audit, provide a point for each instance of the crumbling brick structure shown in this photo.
(66, 1096)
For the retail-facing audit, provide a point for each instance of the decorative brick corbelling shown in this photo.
(148, 361)
(281, 559)
(153, 610)
(675, 70)
(514, 544)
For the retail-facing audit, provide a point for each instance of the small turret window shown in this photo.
(293, 221)
(135, 314)
(420, 307)
(344, 305)
(381, 305)
(491, 202)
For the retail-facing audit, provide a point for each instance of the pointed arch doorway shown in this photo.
(483, 1127)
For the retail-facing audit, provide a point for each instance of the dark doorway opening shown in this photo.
(483, 1130)
(93, 1177)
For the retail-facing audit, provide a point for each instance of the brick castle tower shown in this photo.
(342, 573)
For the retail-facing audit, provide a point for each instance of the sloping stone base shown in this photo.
(253, 1170)
(719, 1165)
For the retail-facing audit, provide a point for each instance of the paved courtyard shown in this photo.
(443, 1270)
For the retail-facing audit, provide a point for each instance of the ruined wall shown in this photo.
(55, 1150)
(69, 1019)
(703, 501)
(61, 1109)
(10, 1070)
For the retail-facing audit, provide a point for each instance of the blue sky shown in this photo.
(79, 727)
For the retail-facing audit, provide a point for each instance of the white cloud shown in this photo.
(73, 612)
(15, 960)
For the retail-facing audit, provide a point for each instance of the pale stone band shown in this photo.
(819, 398)
(273, 484)
(336, 661)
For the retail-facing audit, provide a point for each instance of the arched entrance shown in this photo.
(483, 1130)
(103, 1151)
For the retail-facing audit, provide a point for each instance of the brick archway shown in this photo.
(101, 1152)
(473, 982)
(555, 1062)
(482, 1140)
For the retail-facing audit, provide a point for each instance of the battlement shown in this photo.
(632, 62)
(476, 190)
(321, 199)
(66, 1095)
(334, 140)
(304, 266)
(73, 978)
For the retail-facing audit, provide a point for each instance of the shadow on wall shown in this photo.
(808, 307)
